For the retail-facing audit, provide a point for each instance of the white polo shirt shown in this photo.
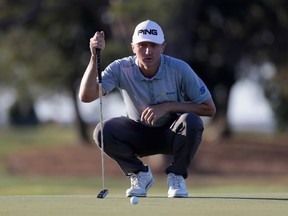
(174, 81)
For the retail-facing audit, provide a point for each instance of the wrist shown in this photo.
(168, 107)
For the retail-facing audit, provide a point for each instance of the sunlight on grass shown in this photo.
(20, 185)
(17, 139)
(212, 204)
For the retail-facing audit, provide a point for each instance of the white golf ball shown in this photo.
(134, 200)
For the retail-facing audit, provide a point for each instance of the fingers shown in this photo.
(148, 116)
(97, 42)
(99, 34)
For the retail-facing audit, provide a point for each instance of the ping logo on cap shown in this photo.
(146, 31)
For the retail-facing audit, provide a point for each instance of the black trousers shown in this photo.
(126, 141)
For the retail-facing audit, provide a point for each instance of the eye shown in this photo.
(140, 45)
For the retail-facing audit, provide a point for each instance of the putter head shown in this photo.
(102, 194)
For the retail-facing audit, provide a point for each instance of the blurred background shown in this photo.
(239, 49)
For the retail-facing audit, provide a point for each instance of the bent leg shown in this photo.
(125, 140)
(187, 134)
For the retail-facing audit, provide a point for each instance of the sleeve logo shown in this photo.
(202, 90)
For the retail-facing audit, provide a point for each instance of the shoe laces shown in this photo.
(136, 181)
(175, 181)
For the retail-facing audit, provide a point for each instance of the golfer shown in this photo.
(164, 98)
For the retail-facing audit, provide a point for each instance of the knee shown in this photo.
(188, 123)
(193, 121)
(97, 134)
(194, 128)
(108, 129)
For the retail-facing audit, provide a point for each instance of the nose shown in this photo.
(148, 50)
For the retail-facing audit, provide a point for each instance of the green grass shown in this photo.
(69, 196)
(19, 139)
(33, 185)
(77, 196)
(215, 196)
(114, 204)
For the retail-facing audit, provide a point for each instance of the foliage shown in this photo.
(51, 47)
(29, 61)
(216, 38)
(44, 44)
(276, 91)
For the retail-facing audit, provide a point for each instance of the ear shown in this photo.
(163, 47)
(132, 47)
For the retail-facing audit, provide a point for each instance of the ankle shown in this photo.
(142, 169)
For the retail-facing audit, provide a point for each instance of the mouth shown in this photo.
(148, 59)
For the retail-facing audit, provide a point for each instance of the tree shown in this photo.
(44, 46)
(214, 37)
(46, 43)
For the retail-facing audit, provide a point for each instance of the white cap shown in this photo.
(148, 31)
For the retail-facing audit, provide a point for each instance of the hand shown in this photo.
(152, 113)
(97, 42)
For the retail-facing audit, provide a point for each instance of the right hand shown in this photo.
(154, 112)
(97, 42)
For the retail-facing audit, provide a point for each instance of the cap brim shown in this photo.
(147, 40)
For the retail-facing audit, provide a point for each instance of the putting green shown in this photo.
(205, 204)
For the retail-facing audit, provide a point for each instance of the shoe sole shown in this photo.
(178, 196)
(149, 185)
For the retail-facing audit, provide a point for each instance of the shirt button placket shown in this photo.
(151, 92)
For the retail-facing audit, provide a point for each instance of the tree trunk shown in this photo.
(81, 125)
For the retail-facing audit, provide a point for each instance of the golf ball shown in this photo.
(134, 200)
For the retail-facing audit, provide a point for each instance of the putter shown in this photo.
(102, 194)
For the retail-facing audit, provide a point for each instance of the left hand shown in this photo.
(97, 42)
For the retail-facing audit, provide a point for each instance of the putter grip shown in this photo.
(98, 56)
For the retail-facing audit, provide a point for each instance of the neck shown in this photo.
(148, 73)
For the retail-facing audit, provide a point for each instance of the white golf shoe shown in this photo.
(140, 183)
(176, 186)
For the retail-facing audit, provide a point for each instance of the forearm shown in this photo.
(205, 109)
(154, 112)
(89, 89)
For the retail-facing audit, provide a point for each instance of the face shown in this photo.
(148, 55)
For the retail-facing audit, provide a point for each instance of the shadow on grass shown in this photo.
(244, 198)
(229, 198)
